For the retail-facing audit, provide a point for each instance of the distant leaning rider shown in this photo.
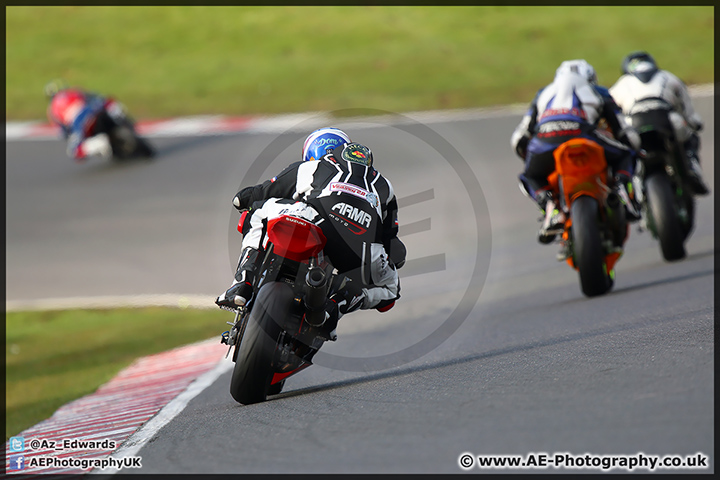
(642, 87)
(78, 113)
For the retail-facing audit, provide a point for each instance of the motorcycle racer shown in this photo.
(82, 116)
(332, 169)
(573, 105)
(646, 89)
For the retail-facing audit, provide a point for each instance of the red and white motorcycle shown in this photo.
(280, 329)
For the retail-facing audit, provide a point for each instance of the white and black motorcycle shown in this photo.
(666, 199)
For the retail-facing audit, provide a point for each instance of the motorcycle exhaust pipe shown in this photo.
(615, 210)
(613, 201)
(314, 299)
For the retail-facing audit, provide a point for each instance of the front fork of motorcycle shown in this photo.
(234, 336)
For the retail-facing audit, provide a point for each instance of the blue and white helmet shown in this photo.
(320, 141)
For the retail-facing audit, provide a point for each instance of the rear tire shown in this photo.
(123, 142)
(689, 223)
(589, 256)
(663, 209)
(253, 370)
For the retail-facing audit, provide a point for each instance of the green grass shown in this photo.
(55, 357)
(166, 61)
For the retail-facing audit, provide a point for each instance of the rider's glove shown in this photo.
(521, 148)
(245, 197)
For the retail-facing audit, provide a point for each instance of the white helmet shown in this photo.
(577, 67)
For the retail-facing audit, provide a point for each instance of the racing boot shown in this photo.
(97, 145)
(328, 330)
(694, 173)
(624, 189)
(346, 300)
(695, 180)
(554, 222)
(241, 290)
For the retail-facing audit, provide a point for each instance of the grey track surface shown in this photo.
(535, 366)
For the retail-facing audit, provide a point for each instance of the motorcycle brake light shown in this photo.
(295, 238)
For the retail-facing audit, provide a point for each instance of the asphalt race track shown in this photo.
(492, 350)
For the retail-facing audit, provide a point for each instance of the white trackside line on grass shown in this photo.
(138, 439)
(113, 301)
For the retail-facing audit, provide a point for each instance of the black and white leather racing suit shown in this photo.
(356, 208)
(663, 100)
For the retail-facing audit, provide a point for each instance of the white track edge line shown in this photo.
(147, 431)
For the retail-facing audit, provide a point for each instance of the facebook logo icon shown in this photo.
(17, 444)
(17, 462)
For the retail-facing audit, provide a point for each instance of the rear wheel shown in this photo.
(589, 256)
(688, 222)
(122, 140)
(663, 209)
(253, 370)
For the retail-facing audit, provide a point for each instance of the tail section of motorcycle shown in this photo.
(281, 321)
(596, 228)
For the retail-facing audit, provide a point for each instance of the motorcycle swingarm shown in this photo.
(286, 358)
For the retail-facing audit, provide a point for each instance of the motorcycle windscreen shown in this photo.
(350, 225)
